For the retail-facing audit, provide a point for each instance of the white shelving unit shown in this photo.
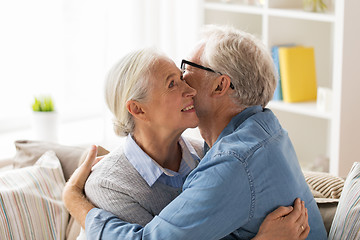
(335, 36)
(303, 108)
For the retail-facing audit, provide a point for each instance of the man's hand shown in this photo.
(285, 223)
(73, 193)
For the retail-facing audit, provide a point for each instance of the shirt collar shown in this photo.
(149, 169)
(235, 123)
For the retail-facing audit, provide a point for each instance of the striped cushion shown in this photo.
(30, 201)
(346, 223)
(329, 186)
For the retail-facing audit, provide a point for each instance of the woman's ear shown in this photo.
(135, 109)
(221, 85)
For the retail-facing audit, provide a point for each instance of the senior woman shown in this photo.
(152, 106)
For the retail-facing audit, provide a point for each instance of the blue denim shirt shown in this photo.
(251, 170)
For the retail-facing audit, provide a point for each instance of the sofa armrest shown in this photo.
(326, 189)
(327, 207)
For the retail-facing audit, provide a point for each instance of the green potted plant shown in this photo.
(45, 119)
(43, 104)
(314, 5)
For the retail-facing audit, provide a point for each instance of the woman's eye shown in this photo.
(172, 83)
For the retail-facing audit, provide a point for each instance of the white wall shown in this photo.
(64, 48)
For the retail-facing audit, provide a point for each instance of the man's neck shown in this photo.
(213, 124)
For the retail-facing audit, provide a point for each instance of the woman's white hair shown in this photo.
(245, 59)
(128, 80)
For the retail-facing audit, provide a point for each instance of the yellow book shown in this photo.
(298, 74)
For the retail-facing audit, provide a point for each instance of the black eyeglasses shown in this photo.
(182, 67)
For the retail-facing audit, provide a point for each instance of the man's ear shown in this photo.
(135, 109)
(221, 85)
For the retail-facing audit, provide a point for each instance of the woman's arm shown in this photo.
(104, 192)
(73, 193)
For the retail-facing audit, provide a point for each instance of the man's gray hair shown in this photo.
(245, 59)
(128, 80)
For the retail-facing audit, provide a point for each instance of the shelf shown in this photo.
(229, 7)
(300, 14)
(274, 12)
(303, 108)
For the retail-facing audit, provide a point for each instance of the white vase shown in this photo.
(45, 126)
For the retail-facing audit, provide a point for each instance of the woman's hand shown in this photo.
(285, 223)
(73, 193)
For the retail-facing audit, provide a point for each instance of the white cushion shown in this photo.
(30, 201)
(346, 223)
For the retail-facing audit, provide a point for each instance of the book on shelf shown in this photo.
(298, 73)
(275, 56)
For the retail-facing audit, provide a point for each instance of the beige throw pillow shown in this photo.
(28, 152)
(328, 185)
(30, 200)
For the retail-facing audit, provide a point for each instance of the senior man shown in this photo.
(250, 167)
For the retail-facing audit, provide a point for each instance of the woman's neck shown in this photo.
(163, 148)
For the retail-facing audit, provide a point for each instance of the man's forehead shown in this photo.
(195, 54)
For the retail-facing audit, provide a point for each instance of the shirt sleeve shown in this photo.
(217, 199)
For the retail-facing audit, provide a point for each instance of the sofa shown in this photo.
(31, 184)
